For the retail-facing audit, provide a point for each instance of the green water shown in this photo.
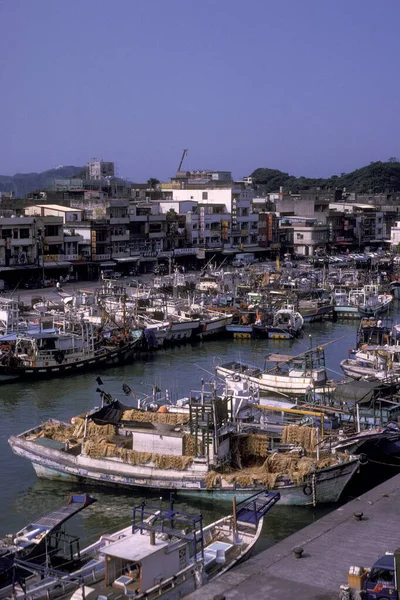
(179, 369)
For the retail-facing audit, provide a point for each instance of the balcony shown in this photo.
(120, 238)
(49, 240)
(157, 235)
(21, 242)
(119, 220)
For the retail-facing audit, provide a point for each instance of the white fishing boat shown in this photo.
(345, 303)
(290, 375)
(373, 362)
(164, 553)
(193, 450)
(287, 324)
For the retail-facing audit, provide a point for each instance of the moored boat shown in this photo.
(49, 351)
(41, 541)
(165, 553)
(291, 375)
(119, 445)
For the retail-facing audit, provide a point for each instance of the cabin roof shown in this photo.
(279, 357)
(134, 548)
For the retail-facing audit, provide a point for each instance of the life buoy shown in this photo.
(307, 490)
(236, 378)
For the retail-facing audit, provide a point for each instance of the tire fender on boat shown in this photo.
(59, 356)
(307, 490)
(363, 459)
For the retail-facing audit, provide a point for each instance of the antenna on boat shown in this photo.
(310, 338)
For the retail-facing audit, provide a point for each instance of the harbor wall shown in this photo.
(330, 546)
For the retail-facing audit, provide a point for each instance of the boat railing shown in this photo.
(172, 582)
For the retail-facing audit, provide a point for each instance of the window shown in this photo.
(52, 230)
(24, 234)
(5, 233)
(205, 195)
(299, 236)
(194, 225)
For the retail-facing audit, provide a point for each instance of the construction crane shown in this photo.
(182, 159)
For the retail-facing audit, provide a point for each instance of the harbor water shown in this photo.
(178, 370)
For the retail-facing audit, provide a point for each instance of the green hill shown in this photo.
(24, 183)
(376, 177)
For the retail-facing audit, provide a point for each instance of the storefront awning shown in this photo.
(108, 263)
(55, 265)
(127, 259)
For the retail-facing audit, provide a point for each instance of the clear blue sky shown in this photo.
(306, 86)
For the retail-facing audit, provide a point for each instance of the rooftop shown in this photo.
(135, 547)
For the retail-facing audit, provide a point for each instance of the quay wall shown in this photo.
(331, 545)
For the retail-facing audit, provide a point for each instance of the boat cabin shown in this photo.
(141, 561)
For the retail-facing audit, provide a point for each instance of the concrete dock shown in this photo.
(331, 545)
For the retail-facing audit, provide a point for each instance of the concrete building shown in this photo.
(237, 201)
(395, 236)
(99, 169)
(304, 236)
(32, 241)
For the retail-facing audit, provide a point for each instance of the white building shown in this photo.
(395, 235)
(235, 202)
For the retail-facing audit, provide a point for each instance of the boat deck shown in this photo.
(331, 545)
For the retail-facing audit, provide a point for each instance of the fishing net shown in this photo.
(92, 430)
(254, 445)
(161, 461)
(300, 435)
(285, 466)
(56, 431)
(155, 417)
(189, 445)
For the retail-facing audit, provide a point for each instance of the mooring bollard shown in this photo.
(358, 516)
(298, 552)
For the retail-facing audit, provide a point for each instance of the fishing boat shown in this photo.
(376, 443)
(373, 363)
(41, 541)
(290, 375)
(165, 553)
(317, 307)
(345, 303)
(287, 324)
(201, 449)
(373, 303)
(46, 351)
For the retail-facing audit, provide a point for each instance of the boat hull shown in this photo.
(325, 486)
(111, 358)
(275, 383)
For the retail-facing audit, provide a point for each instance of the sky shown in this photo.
(309, 87)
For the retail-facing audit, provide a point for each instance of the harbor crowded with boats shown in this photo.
(274, 382)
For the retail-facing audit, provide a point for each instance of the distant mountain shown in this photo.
(24, 183)
(375, 178)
